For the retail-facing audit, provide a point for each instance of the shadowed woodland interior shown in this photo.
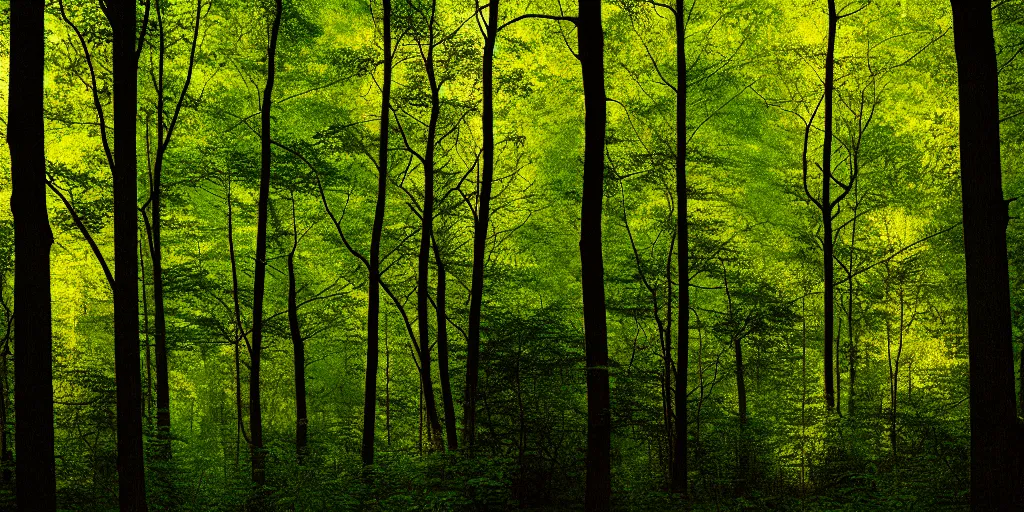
(542, 255)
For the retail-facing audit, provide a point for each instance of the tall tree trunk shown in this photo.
(373, 309)
(679, 462)
(741, 388)
(259, 279)
(33, 356)
(893, 370)
(838, 366)
(163, 401)
(164, 131)
(298, 351)
(387, 383)
(852, 346)
(483, 217)
(667, 394)
(427, 230)
(130, 466)
(591, 55)
(442, 353)
(147, 411)
(995, 479)
(803, 394)
(826, 205)
(238, 329)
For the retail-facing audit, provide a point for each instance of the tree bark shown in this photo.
(163, 412)
(131, 469)
(299, 354)
(33, 356)
(826, 206)
(679, 458)
(147, 410)
(741, 388)
(165, 130)
(238, 329)
(259, 279)
(852, 346)
(442, 353)
(480, 229)
(995, 477)
(373, 309)
(591, 55)
(427, 230)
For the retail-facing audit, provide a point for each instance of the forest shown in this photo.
(394, 255)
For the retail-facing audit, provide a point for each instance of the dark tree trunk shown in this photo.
(33, 356)
(741, 389)
(826, 206)
(838, 367)
(387, 383)
(299, 352)
(852, 346)
(238, 329)
(442, 354)
(131, 469)
(591, 55)
(995, 480)
(373, 310)
(679, 457)
(165, 129)
(483, 217)
(427, 230)
(163, 399)
(667, 368)
(259, 280)
(147, 411)
(737, 342)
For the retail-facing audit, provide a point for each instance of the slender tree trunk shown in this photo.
(826, 206)
(165, 129)
(147, 412)
(741, 382)
(679, 459)
(387, 383)
(373, 310)
(238, 329)
(163, 401)
(741, 388)
(838, 367)
(803, 395)
(476, 290)
(33, 357)
(427, 230)
(442, 353)
(591, 55)
(131, 469)
(852, 346)
(995, 476)
(896, 379)
(259, 280)
(667, 405)
(163, 397)
(893, 376)
(299, 352)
